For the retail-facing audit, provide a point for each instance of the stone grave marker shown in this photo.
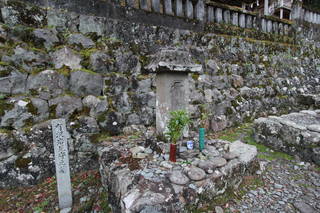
(62, 163)
(172, 67)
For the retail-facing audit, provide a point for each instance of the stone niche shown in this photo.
(172, 67)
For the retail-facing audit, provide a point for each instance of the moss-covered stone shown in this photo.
(22, 162)
(76, 114)
(5, 106)
(18, 146)
(29, 15)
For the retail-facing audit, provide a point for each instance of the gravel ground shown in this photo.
(289, 186)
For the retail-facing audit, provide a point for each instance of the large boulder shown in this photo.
(81, 41)
(66, 57)
(100, 62)
(14, 83)
(246, 152)
(65, 106)
(41, 109)
(18, 116)
(96, 105)
(295, 133)
(86, 83)
(47, 84)
(46, 37)
(18, 12)
(91, 24)
(111, 122)
(6, 145)
(28, 60)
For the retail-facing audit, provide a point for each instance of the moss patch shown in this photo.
(52, 111)
(32, 109)
(245, 134)
(98, 138)
(64, 70)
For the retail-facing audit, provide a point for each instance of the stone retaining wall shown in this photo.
(140, 179)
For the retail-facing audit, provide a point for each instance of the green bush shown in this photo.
(179, 119)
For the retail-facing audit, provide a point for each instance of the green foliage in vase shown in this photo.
(179, 119)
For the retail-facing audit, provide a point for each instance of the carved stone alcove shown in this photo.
(172, 67)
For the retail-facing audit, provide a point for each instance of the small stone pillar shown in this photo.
(226, 16)
(249, 21)
(200, 12)
(130, 3)
(281, 13)
(269, 26)
(189, 9)
(210, 14)
(266, 7)
(281, 29)
(144, 4)
(242, 20)
(264, 25)
(179, 8)
(275, 26)
(156, 6)
(235, 19)
(218, 14)
(168, 7)
(172, 85)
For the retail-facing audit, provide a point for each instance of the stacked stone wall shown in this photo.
(91, 71)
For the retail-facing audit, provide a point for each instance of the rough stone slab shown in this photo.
(296, 134)
(179, 178)
(196, 174)
(245, 152)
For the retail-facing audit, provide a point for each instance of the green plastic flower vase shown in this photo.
(201, 138)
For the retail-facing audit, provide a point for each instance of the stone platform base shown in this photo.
(139, 178)
(295, 133)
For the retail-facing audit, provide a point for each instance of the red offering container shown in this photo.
(173, 150)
